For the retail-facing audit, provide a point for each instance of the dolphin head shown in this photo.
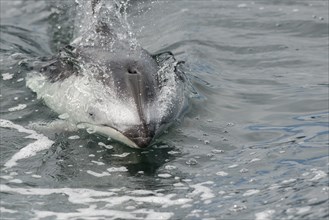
(128, 98)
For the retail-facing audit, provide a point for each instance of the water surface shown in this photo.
(254, 144)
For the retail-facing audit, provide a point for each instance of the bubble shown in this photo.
(221, 173)
(191, 162)
(206, 142)
(74, 137)
(238, 208)
(217, 151)
(244, 170)
(91, 130)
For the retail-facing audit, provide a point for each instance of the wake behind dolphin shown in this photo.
(106, 82)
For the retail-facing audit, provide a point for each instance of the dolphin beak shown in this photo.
(110, 132)
(141, 135)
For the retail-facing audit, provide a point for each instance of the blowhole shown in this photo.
(132, 71)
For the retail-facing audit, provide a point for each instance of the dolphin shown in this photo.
(105, 82)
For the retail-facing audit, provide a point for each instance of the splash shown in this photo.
(98, 16)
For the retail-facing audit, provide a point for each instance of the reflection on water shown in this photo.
(312, 133)
(254, 144)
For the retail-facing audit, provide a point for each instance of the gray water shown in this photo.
(253, 145)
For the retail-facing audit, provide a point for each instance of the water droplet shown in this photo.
(238, 208)
(217, 151)
(74, 137)
(244, 170)
(221, 173)
(242, 5)
(164, 175)
(170, 167)
(105, 146)
(191, 161)
(90, 130)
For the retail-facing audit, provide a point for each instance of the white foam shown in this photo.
(233, 166)
(41, 143)
(17, 108)
(302, 210)
(74, 137)
(164, 175)
(319, 174)
(170, 167)
(98, 174)
(179, 185)
(265, 215)
(142, 192)
(3, 209)
(289, 181)
(254, 160)
(155, 215)
(105, 146)
(15, 181)
(98, 163)
(36, 176)
(251, 192)
(242, 6)
(120, 155)
(7, 76)
(90, 198)
(299, 210)
(93, 213)
(221, 173)
(204, 192)
(117, 169)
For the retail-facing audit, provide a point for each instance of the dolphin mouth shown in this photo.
(109, 132)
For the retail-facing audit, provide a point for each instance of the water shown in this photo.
(254, 144)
